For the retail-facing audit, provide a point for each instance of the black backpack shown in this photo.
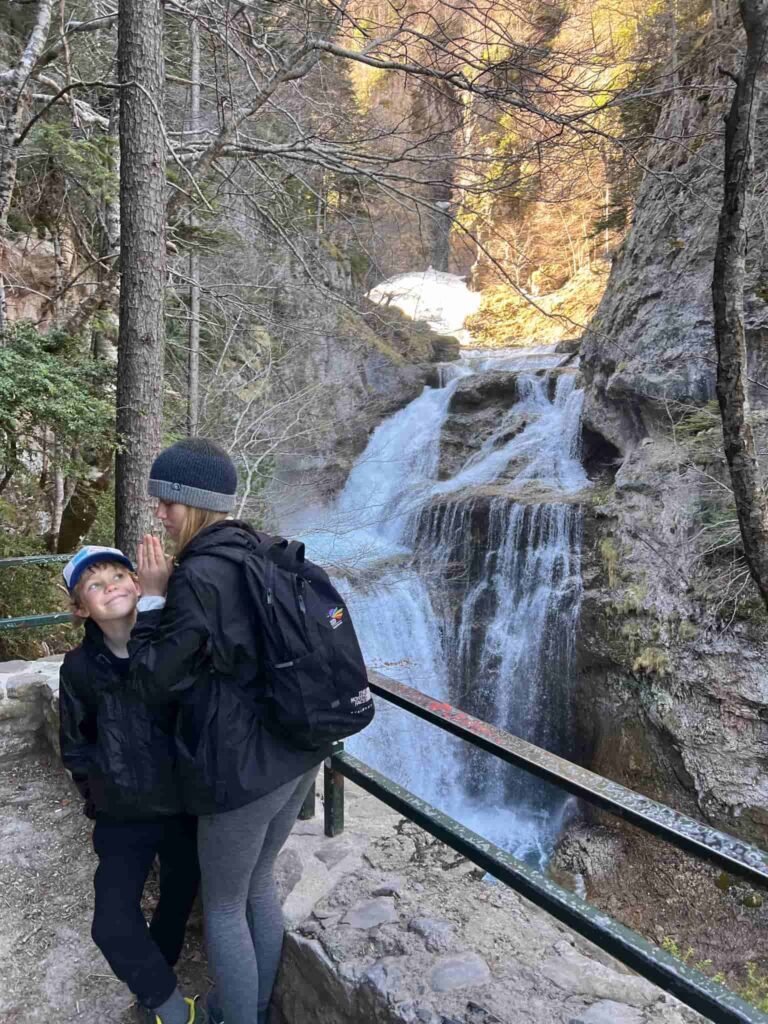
(316, 682)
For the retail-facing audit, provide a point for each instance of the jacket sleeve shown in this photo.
(77, 732)
(168, 644)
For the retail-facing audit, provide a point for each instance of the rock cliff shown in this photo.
(673, 678)
(650, 345)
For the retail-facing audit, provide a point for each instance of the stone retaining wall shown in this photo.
(29, 705)
(388, 926)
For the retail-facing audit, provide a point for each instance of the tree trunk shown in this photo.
(13, 100)
(58, 506)
(142, 264)
(104, 340)
(193, 386)
(193, 376)
(52, 479)
(82, 508)
(728, 297)
(3, 308)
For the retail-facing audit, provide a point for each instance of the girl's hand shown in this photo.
(154, 567)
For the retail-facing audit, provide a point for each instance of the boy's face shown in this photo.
(107, 593)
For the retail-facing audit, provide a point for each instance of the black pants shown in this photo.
(141, 957)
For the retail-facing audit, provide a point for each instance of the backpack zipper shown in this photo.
(270, 585)
(299, 583)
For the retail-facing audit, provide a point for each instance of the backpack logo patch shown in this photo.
(335, 617)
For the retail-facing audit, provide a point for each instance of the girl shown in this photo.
(246, 784)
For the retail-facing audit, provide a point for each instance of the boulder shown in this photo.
(28, 705)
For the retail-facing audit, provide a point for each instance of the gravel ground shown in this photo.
(50, 970)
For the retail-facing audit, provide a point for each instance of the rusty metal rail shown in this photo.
(693, 836)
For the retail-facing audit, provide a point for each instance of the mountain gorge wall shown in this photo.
(673, 684)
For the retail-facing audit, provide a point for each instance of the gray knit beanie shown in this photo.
(195, 472)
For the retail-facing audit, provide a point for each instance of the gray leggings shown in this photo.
(243, 919)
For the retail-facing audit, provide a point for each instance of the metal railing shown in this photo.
(25, 621)
(691, 986)
(713, 1000)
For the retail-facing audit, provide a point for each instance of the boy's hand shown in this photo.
(154, 567)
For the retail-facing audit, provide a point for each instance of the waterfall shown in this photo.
(470, 598)
(531, 587)
(389, 481)
(401, 638)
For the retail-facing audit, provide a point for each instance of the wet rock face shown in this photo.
(475, 414)
(671, 699)
(492, 389)
(480, 406)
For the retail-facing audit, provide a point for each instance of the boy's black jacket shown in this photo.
(203, 650)
(120, 751)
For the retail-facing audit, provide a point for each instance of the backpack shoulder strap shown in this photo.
(295, 551)
(287, 554)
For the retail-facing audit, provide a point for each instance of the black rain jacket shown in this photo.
(203, 650)
(119, 750)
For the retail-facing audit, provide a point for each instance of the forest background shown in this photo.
(307, 151)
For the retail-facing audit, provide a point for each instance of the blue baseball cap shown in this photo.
(91, 554)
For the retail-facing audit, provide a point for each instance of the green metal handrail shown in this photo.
(19, 563)
(692, 987)
(32, 621)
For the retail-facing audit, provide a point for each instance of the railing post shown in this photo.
(333, 795)
(308, 807)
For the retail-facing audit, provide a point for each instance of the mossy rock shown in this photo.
(412, 340)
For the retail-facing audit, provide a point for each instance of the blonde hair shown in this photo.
(195, 520)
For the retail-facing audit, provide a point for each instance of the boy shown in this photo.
(120, 754)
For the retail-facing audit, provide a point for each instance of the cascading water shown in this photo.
(483, 617)
(390, 480)
(529, 594)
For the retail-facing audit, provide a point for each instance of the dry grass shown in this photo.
(507, 318)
